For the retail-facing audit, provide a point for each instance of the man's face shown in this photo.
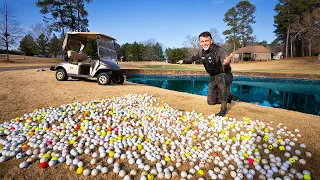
(205, 42)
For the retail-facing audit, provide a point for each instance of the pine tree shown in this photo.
(232, 34)
(245, 11)
(65, 14)
(43, 44)
(55, 46)
(28, 45)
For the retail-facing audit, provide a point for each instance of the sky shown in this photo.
(166, 21)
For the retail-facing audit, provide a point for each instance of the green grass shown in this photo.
(171, 67)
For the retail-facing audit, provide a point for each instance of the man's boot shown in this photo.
(223, 110)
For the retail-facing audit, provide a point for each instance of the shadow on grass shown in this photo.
(126, 83)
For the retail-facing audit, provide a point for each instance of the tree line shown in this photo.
(42, 45)
(150, 50)
(297, 29)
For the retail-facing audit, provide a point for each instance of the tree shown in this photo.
(216, 36)
(231, 44)
(57, 9)
(308, 24)
(28, 45)
(65, 14)
(263, 43)
(40, 28)
(81, 14)
(287, 12)
(149, 50)
(152, 50)
(91, 48)
(120, 52)
(283, 21)
(276, 46)
(9, 27)
(158, 52)
(43, 44)
(245, 11)
(192, 44)
(149, 53)
(232, 34)
(252, 41)
(126, 48)
(175, 54)
(55, 46)
(133, 52)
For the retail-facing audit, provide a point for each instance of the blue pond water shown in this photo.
(292, 94)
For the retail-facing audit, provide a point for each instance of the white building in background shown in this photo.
(278, 55)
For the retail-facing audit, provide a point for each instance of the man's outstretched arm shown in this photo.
(190, 59)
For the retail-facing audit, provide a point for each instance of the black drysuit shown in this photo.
(220, 75)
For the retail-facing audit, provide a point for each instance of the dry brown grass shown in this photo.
(19, 60)
(25, 90)
(305, 65)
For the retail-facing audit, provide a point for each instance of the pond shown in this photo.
(292, 94)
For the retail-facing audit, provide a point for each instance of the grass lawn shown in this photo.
(305, 65)
(301, 65)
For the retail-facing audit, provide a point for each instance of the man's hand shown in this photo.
(180, 62)
(227, 60)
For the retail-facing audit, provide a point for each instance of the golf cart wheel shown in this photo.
(119, 79)
(61, 75)
(103, 79)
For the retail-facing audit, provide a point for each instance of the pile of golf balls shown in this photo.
(162, 142)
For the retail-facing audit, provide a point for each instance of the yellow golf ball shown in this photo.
(111, 154)
(72, 141)
(282, 148)
(150, 176)
(54, 158)
(140, 147)
(200, 172)
(306, 177)
(79, 170)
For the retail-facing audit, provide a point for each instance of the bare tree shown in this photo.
(40, 28)
(150, 42)
(216, 36)
(309, 26)
(148, 53)
(276, 46)
(192, 44)
(252, 41)
(9, 27)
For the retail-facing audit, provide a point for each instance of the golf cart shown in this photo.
(78, 65)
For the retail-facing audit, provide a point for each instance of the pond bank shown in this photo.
(255, 74)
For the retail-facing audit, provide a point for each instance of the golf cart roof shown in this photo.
(90, 35)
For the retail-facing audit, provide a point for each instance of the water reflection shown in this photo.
(291, 94)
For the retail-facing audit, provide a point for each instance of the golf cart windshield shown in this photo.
(106, 49)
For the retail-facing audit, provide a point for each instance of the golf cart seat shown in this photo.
(81, 56)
